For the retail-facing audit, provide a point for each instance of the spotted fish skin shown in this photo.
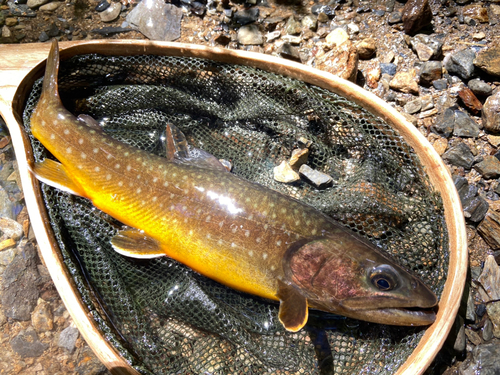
(236, 232)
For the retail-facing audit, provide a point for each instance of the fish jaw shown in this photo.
(348, 275)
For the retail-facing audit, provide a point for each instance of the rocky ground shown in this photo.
(437, 62)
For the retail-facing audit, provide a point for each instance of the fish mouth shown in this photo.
(399, 316)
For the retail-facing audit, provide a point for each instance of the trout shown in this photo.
(236, 232)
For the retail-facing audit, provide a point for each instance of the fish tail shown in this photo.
(50, 90)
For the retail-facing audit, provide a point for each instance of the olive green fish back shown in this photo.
(165, 318)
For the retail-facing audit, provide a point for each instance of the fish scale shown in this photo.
(236, 232)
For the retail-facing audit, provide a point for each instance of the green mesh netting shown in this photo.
(166, 319)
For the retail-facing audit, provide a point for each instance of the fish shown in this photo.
(236, 232)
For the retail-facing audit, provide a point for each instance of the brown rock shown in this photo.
(372, 75)
(299, 157)
(341, 61)
(489, 167)
(42, 318)
(440, 145)
(416, 15)
(405, 82)
(284, 173)
(489, 229)
(489, 60)
(476, 12)
(366, 48)
(491, 113)
(470, 100)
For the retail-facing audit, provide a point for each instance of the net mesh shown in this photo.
(165, 318)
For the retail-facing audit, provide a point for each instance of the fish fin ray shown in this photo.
(293, 312)
(134, 243)
(54, 174)
(89, 121)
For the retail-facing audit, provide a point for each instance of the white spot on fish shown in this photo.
(165, 183)
(208, 218)
(221, 224)
(190, 232)
(117, 166)
(184, 177)
(129, 168)
(250, 253)
(80, 141)
(273, 216)
(138, 191)
(174, 174)
(234, 229)
(247, 233)
(95, 150)
(250, 217)
(52, 136)
(83, 155)
(44, 123)
(258, 239)
(278, 243)
(220, 242)
(154, 199)
(155, 179)
(283, 210)
(109, 156)
(297, 222)
(308, 222)
(266, 226)
(66, 132)
(68, 150)
(108, 177)
(92, 131)
(97, 169)
(208, 236)
(172, 207)
(233, 245)
(313, 232)
(126, 153)
(264, 256)
(272, 268)
(138, 176)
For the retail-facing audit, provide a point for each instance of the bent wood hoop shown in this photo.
(21, 64)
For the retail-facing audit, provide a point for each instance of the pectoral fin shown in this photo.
(54, 174)
(293, 312)
(135, 244)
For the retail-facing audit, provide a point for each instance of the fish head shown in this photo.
(348, 275)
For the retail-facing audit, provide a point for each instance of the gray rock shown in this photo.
(388, 68)
(470, 313)
(27, 344)
(111, 13)
(460, 156)
(156, 20)
(394, 17)
(487, 330)
(326, 9)
(36, 3)
(413, 106)
(246, 16)
(310, 22)
(250, 34)
(440, 84)
(287, 51)
(461, 63)
(10, 228)
(293, 27)
(484, 361)
(464, 125)
(430, 71)
(43, 37)
(50, 7)
(427, 102)
(445, 123)
(474, 206)
(6, 206)
(491, 113)
(479, 88)
(67, 338)
(20, 293)
(460, 341)
(316, 178)
(426, 47)
(489, 167)
(489, 229)
(20, 10)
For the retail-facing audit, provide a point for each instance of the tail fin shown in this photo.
(50, 88)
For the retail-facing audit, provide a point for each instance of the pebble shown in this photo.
(36, 3)
(489, 60)
(42, 318)
(287, 51)
(464, 126)
(316, 178)
(20, 279)
(394, 17)
(341, 61)
(27, 344)
(298, 158)
(440, 84)
(473, 336)
(427, 102)
(426, 47)
(6, 33)
(336, 37)
(325, 9)
(102, 6)
(50, 7)
(405, 82)
(489, 229)
(489, 167)
(273, 35)
(67, 338)
(484, 357)
(430, 71)
(489, 291)
(491, 113)
(460, 340)
(246, 16)
(310, 22)
(487, 330)
(475, 207)
(10, 229)
(250, 35)
(284, 173)
(416, 15)
(6, 206)
(470, 100)
(366, 48)
(111, 13)
(156, 20)
(461, 63)
(460, 156)
(413, 106)
(480, 88)
(388, 68)
(476, 12)
(292, 26)
(20, 10)
(372, 75)
(440, 145)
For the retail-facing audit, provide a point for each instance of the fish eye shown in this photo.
(383, 278)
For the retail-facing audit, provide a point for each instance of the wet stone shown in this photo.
(489, 60)
(50, 7)
(394, 17)
(325, 9)
(284, 173)
(316, 178)
(250, 35)
(67, 338)
(341, 61)
(489, 167)
(310, 22)
(416, 15)
(487, 330)
(246, 16)
(292, 26)
(460, 156)
(481, 310)
(470, 314)
(460, 341)
(27, 344)
(156, 20)
(102, 6)
(479, 88)
(366, 48)
(20, 294)
(461, 63)
(6, 206)
(41, 318)
(491, 113)
(489, 229)
(430, 71)
(473, 336)
(10, 228)
(43, 37)
(111, 13)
